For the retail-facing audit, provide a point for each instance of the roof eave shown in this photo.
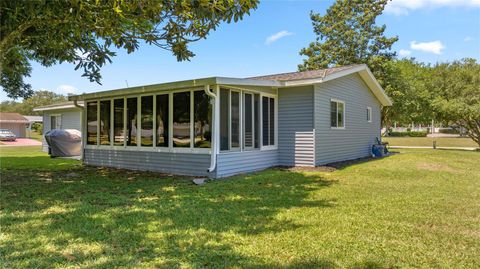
(176, 85)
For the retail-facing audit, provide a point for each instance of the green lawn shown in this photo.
(428, 141)
(419, 208)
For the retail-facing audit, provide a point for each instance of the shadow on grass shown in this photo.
(98, 217)
(104, 218)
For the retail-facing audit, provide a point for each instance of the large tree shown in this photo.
(456, 100)
(348, 34)
(85, 32)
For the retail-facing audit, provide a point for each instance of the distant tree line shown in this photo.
(26, 106)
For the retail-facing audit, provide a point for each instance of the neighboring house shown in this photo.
(13, 122)
(219, 126)
(60, 116)
(31, 121)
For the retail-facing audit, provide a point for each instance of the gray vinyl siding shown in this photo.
(355, 141)
(232, 163)
(295, 116)
(71, 119)
(166, 162)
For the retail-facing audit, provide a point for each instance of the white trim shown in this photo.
(343, 115)
(111, 122)
(154, 121)
(192, 118)
(170, 120)
(56, 107)
(98, 122)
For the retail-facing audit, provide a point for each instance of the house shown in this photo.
(218, 126)
(13, 122)
(65, 115)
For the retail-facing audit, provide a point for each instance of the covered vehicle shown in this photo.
(7, 135)
(64, 143)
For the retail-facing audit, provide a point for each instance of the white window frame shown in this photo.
(192, 148)
(56, 116)
(139, 147)
(369, 114)
(343, 116)
(275, 131)
(253, 121)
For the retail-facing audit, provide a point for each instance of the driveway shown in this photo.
(21, 142)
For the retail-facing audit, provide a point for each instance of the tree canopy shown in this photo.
(348, 34)
(86, 32)
(456, 95)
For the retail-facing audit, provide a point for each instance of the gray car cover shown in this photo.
(64, 143)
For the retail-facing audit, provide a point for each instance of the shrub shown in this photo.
(417, 134)
(408, 134)
(37, 127)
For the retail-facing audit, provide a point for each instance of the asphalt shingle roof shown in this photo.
(12, 118)
(320, 73)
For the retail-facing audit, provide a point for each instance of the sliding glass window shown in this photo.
(202, 110)
(224, 119)
(256, 120)
(235, 120)
(147, 121)
(268, 121)
(162, 120)
(92, 123)
(105, 122)
(132, 122)
(118, 116)
(181, 119)
(248, 120)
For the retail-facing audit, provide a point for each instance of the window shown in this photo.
(181, 119)
(235, 120)
(132, 122)
(256, 120)
(118, 116)
(202, 112)
(229, 119)
(268, 121)
(55, 122)
(337, 114)
(251, 130)
(224, 119)
(369, 114)
(162, 120)
(146, 118)
(92, 123)
(105, 122)
(247, 120)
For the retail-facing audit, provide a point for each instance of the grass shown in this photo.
(36, 136)
(428, 141)
(419, 208)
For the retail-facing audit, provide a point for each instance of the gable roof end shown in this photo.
(324, 75)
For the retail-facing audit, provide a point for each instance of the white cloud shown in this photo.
(66, 89)
(467, 39)
(402, 7)
(435, 47)
(277, 36)
(404, 53)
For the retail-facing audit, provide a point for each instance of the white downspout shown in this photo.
(215, 129)
(75, 103)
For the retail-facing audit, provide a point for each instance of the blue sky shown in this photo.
(268, 41)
